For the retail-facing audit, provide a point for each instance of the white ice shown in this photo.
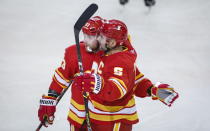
(172, 41)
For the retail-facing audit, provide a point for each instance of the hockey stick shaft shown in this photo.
(77, 27)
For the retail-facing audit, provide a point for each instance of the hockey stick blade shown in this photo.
(85, 16)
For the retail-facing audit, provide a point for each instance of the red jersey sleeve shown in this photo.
(63, 74)
(141, 84)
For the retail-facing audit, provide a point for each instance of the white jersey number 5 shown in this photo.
(118, 71)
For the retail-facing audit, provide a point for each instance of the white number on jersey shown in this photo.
(118, 71)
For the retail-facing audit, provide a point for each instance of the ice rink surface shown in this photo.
(172, 41)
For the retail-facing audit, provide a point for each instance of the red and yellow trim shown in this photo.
(139, 76)
(104, 113)
(61, 75)
(60, 79)
(78, 106)
(75, 118)
(120, 85)
(101, 107)
(61, 85)
(109, 118)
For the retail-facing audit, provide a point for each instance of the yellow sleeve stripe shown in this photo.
(61, 85)
(59, 79)
(61, 75)
(139, 76)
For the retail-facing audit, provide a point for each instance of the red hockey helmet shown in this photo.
(93, 25)
(115, 29)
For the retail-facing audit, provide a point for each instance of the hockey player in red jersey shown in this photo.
(69, 68)
(111, 102)
(112, 89)
(65, 73)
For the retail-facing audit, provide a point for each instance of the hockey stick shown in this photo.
(58, 100)
(77, 27)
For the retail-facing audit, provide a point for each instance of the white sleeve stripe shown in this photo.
(62, 81)
(118, 83)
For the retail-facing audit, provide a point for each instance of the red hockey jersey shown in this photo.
(115, 102)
